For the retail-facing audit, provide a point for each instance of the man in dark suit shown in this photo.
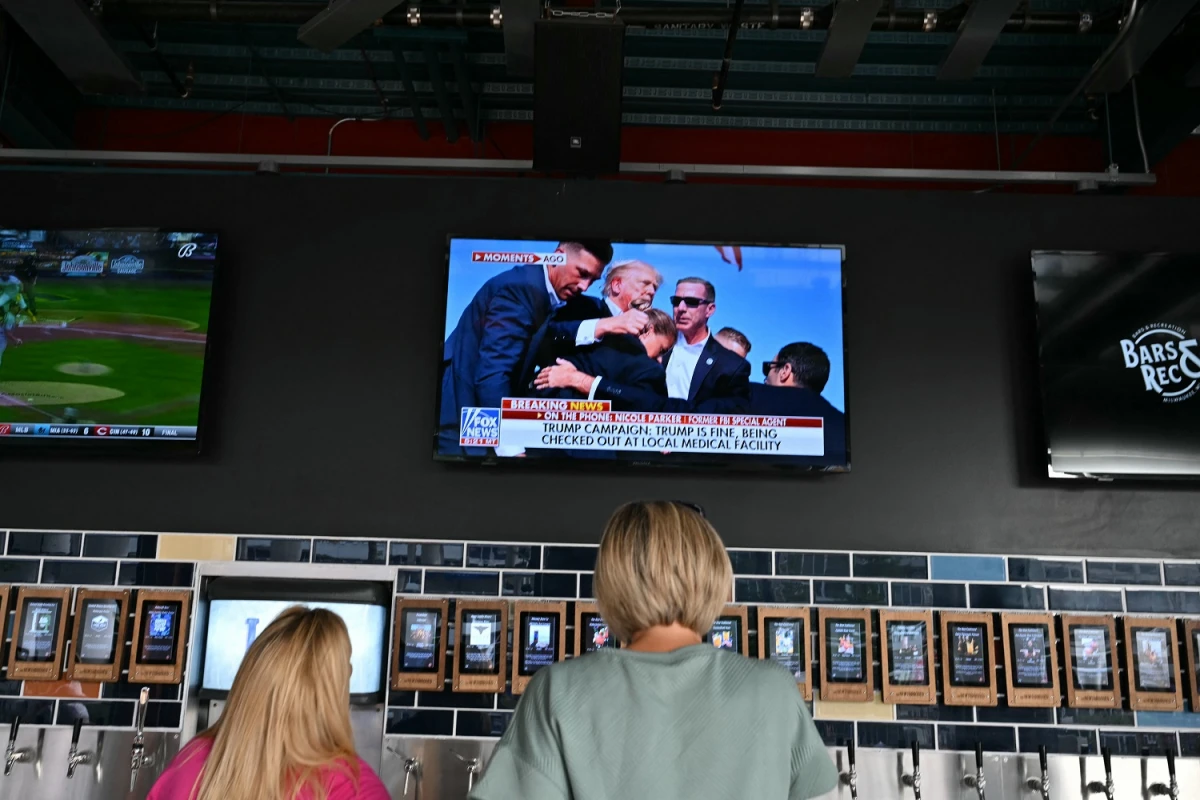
(484, 356)
(794, 382)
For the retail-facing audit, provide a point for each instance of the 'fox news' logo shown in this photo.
(1164, 355)
(479, 427)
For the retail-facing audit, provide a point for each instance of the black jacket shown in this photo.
(790, 401)
(720, 385)
(620, 358)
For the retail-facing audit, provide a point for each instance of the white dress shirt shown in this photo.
(682, 366)
(587, 329)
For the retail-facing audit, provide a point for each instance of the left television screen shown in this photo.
(104, 336)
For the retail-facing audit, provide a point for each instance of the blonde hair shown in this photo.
(660, 563)
(621, 269)
(287, 718)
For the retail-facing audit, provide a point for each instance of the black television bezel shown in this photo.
(36, 446)
(746, 464)
(300, 590)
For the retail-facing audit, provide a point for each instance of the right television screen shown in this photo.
(1120, 367)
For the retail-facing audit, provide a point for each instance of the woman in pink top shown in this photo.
(285, 733)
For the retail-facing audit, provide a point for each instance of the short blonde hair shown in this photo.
(661, 563)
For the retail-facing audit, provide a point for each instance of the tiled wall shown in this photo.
(515, 570)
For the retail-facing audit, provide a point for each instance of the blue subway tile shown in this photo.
(984, 595)
(1182, 574)
(539, 584)
(895, 735)
(349, 551)
(483, 723)
(53, 543)
(935, 713)
(160, 715)
(1128, 743)
(582, 558)
(111, 713)
(156, 573)
(408, 581)
(750, 562)
(424, 722)
(965, 737)
(449, 699)
(426, 554)
(1162, 602)
(289, 549)
(1041, 570)
(1124, 572)
(77, 572)
(1168, 719)
(123, 690)
(404, 699)
(519, 556)
(930, 595)
(819, 565)
(585, 586)
(882, 565)
(11, 688)
(1189, 745)
(966, 568)
(1107, 717)
(1065, 741)
(770, 590)
(868, 593)
(1015, 716)
(475, 583)
(31, 712)
(835, 734)
(111, 545)
(19, 570)
(1085, 600)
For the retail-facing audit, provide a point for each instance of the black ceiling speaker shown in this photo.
(577, 95)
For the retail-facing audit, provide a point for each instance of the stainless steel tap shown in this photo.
(1108, 788)
(74, 757)
(913, 779)
(412, 768)
(1042, 785)
(473, 769)
(1170, 790)
(137, 753)
(13, 754)
(977, 781)
(850, 776)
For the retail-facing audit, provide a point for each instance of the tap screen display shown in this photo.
(726, 634)
(785, 645)
(539, 641)
(968, 645)
(37, 641)
(98, 624)
(597, 635)
(908, 661)
(1196, 650)
(1153, 661)
(1030, 648)
(160, 632)
(846, 652)
(479, 640)
(421, 633)
(1090, 668)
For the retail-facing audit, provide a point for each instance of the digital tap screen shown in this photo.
(1153, 661)
(846, 656)
(595, 632)
(908, 657)
(1030, 648)
(160, 632)
(1196, 650)
(968, 647)
(539, 641)
(98, 625)
(726, 634)
(1090, 668)
(38, 638)
(421, 634)
(478, 653)
(785, 645)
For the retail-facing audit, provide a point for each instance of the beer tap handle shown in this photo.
(75, 731)
(1171, 761)
(12, 731)
(1106, 754)
(141, 710)
(979, 756)
(1043, 760)
(916, 753)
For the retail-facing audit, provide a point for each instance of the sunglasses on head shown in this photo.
(693, 506)
(690, 302)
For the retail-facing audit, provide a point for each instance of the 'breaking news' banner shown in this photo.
(593, 425)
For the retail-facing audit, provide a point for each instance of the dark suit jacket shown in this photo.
(557, 339)
(622, 359)
(483, 358)
(790, 401)
(720, 385)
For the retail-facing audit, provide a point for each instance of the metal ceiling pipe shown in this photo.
(480, 15)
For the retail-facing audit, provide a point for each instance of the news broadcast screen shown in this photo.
(103, 335)
(643, 352)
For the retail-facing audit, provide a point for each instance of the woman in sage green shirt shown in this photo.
(668, 716)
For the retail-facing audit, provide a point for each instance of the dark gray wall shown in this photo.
(324, 410)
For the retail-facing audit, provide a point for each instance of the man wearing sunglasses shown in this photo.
(701, 372)
(793, 384)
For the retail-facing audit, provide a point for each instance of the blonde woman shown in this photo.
(285, 732)
(669, 716)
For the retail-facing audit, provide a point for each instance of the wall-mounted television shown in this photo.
(667, 353)
(1120, 365)
(104, 338)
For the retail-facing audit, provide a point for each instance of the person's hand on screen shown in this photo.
(563, 375)
(632, 322)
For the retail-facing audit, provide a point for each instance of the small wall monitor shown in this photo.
(481, 649)
(1152, 664)
(847, 655)
(1089, 659)
(729, 630)
(784, 637)
(538, 640)
(1191, 633)
(591, 631)
(159, 636)
(906, 656)
(419, 644)
(98, 635)
(968, 668)
(239, 609)
(1031, 660)
(39, 633)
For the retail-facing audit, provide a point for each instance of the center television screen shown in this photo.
(644, 352)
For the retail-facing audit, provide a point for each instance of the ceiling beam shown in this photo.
(1154, 21)
(342, 20)
(73, 38)
(982, 25)
(848, 30)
